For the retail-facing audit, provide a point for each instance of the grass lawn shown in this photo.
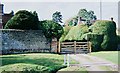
(75, 68)
(108, 55)
(32, 62)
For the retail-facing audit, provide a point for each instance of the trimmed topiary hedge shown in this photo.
(95, 40)
(108, 30)
(118, 39)
(102, 35)
(66, 31)
(24, 20)
(76, 32)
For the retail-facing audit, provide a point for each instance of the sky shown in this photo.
(68, 9)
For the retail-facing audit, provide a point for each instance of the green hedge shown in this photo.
(108, 29)
(102, 35)
(118, 39)
(76, 32)
(66, 31)
(24, 20)
(95, 40)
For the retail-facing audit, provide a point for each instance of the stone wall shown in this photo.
(23, 39)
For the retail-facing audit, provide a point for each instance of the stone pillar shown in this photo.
(79, 20)
(1, 13)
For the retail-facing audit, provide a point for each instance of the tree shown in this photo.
(24, 20)
(88, 16)
(51, 30)
(57, 17)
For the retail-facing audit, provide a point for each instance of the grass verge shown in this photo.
(49, 63)
(108, 55)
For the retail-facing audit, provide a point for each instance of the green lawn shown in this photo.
(108, 55)
(75, 68)
(49, 63)
(32, 62)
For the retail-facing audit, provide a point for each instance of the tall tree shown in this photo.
(88, 16)
(51, 30)
(57, 17)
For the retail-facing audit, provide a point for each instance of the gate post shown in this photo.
(89, 47)
(75, 47)
(59, 46)
(68, 60)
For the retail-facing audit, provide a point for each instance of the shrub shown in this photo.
(118, 39)
(23, 20)
(108, 29)
(95, 40)
(76, 32)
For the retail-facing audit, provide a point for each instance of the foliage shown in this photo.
(23, 20)
(118, 39)
(57, 17)
(102, 35)
(66, 31)
(95, 40)
(51, 29)
(108, 29)
(87, 15)
(73, 22)
(70, 23)
(76, 32)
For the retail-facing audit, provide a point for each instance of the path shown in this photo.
(93, 63)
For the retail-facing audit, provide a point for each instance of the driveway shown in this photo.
(93, 63)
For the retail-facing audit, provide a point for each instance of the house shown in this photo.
(1, 12)
(4, 17)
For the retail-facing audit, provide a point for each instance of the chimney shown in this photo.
(111, 18)
(79, 20)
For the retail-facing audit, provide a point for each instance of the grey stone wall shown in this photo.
(23, 39)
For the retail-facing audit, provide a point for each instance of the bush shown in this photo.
(76, 32)
(118, 39)
(108, 29)
(95, 40)
(23, 20)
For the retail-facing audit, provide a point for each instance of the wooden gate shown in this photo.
(74, 46)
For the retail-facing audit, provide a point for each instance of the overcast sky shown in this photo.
(68, 9)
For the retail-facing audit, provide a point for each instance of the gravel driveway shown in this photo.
(93, 63)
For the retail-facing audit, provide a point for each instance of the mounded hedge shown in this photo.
(66, 31)
(76, 32)
(24, 20)
(108, 30)
(102, 35)
(118, 39)
(95, 40)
